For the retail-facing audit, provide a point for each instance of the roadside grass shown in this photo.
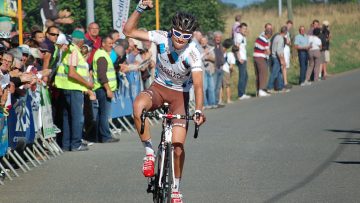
(344, 27)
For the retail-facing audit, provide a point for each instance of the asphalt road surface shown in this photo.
(302, 146)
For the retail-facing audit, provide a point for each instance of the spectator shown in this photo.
(235, 27)
(72, 78)
(93, 37)
(80, 27)
(302, 46)
(104, 85)
(287, 52)
(115, 35)
(38, 36)
(25, 50)
(197, 36)
(314, 56)
(315, 24)
(139, 63)
(219, 62)
(208, 58)
(241, 60)
(5, 40)
(120, 47)
(52, 53)
(261, 55)
(228, 68)
(51, 16)
(151, 47)
(278, 61)
(268, 26)
(325, 53)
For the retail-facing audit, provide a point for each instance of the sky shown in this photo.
(241, 3)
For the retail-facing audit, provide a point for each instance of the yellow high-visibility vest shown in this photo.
(110, 74)
(62, 80)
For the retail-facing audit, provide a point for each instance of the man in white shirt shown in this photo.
(241, 60)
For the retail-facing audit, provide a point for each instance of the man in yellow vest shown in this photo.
(104, 85)
(73, 79)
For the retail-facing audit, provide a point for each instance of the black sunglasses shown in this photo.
(53, 34)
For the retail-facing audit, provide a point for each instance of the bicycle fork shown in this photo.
(167, 147)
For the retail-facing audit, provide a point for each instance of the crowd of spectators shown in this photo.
(82, 69)
(271, 55)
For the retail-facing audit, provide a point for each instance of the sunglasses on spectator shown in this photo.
(6, 60)
(16, 68)
(178, 34)
(26, 55)
(54, 34)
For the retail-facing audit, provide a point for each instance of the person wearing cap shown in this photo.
(72, 78)
(25, 49)
(140, 65)
(131, 67)
(5, 40)
(120, 47)
(325, 53)
(104, 85)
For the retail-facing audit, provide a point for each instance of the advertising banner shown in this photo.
(20, 121)
(120, 10)
(46, 114)
(3, 135)
(8, 8)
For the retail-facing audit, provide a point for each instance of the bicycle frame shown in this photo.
(166, 144)
(163, 182)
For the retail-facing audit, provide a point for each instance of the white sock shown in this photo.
(148, 147)
(177, 185)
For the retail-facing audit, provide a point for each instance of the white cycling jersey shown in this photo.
(174, 67)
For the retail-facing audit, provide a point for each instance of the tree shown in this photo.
(208, 13)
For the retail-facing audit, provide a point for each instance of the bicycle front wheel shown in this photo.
(168, 170)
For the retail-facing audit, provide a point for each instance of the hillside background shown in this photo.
(343, 15)
(344, 21)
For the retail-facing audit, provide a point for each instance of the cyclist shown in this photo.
(178, 68)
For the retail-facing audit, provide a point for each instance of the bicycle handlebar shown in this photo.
(146, 114)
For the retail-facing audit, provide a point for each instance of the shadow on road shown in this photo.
(345, 131)
(347, 162)
(321, 168)
(350, 141)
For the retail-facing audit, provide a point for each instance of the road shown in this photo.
(302, 146)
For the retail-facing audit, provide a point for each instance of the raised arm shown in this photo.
(131, 26)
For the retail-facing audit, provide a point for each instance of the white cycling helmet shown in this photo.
(5, 35)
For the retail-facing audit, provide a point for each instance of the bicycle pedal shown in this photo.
(150, 189)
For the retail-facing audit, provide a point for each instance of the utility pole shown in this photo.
(20, 21)
(280, 8)
(157, 13)
(289, 9)
(89, 12)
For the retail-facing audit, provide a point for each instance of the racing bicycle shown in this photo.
(162, 183)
